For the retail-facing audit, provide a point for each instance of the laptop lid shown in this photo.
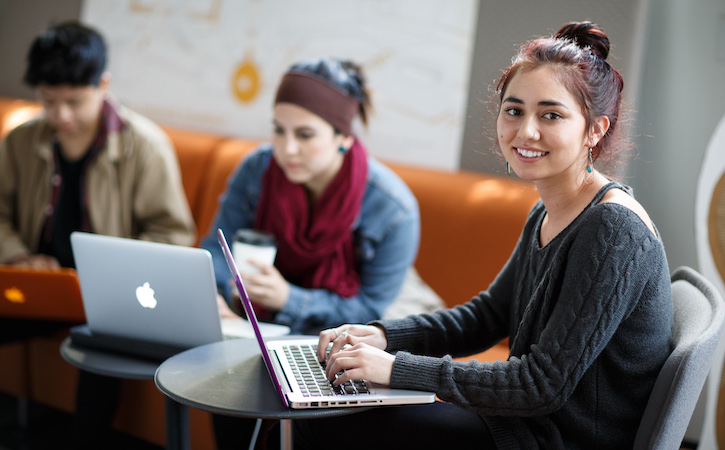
(147, 291)
(46, 294)
(251, 316)
(282, 374)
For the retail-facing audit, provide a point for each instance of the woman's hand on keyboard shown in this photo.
(349, 335)
(360, 362)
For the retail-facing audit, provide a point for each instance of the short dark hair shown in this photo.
(68, 53)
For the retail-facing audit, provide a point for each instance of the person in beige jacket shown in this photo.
(87, 164)
(130, 186)
(133, 188)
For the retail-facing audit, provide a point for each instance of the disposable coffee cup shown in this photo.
(253, 245)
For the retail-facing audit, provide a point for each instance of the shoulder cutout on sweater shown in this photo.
(622, 198)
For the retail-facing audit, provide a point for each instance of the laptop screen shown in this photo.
(247, 304)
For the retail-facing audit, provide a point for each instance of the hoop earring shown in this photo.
(590, 168)
(508, 169)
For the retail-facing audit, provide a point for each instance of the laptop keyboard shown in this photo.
(310, 374)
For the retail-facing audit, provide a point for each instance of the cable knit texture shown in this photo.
(589, 320)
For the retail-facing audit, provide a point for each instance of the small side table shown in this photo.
(229, 378)
(128, 367)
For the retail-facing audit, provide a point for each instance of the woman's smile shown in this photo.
(529, 154)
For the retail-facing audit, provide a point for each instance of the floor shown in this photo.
(49, 429)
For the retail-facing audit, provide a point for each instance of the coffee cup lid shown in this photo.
(255, 237)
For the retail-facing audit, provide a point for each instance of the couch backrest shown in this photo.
(470, 223)
(194, 151)
(225, 160)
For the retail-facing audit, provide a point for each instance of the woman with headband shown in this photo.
(346, 227)
(584, 298)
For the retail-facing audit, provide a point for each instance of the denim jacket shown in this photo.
(387, 233)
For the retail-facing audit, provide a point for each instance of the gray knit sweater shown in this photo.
(589, 319)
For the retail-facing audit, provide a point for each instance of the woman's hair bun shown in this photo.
(586, 35)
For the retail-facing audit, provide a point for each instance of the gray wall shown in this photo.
(20, 21)
(682, 100)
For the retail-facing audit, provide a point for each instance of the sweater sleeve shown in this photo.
(612, 265)
(464, 329)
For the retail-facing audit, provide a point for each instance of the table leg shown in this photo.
(23, 413)
(285, 438)
(177, 425)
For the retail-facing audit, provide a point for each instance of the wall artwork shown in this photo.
(214, 65)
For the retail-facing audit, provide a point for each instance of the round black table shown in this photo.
(229, 378)
(128, 367)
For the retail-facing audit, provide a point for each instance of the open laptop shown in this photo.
(292, 365)
(45, 294)
(150, 299)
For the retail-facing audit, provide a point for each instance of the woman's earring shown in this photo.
(341, 149)
(508, 169)
(590, 168)
(591, 162)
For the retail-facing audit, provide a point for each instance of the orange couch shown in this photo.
(469, 225)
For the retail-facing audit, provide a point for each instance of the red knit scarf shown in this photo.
(315, 244)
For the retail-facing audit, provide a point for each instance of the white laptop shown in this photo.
(150, 299)
(293, 367)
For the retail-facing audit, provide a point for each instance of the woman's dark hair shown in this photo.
(69, 53)
(345, 75)
(578, 53)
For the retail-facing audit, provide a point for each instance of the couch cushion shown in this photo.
(470, 224)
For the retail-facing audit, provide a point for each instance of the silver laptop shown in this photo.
(149, 298)
(298, 376)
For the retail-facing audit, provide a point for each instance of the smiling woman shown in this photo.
(584, 299)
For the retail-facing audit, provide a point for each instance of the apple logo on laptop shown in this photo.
(145, 296)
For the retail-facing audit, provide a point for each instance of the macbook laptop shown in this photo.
(298, 376)
(46, 294)
(149, 299)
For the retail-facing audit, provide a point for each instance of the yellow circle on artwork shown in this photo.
(245, 82)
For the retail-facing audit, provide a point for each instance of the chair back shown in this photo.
(698, 318)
